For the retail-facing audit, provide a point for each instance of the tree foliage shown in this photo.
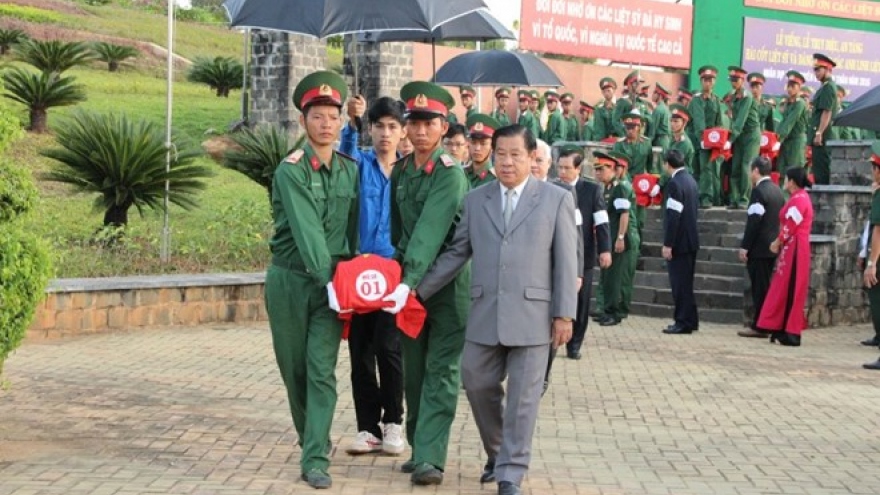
(258, 152)
(113, 54)
(40, 92)
(222, 74)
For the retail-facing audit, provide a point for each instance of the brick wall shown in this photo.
(78, 306)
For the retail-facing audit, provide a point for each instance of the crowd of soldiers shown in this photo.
(679, 119)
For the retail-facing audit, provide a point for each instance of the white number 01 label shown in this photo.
(371, 285)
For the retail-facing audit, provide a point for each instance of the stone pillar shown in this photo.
(851, 163)
(279, 61)
(382, 67)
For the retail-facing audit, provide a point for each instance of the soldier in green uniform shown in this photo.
(678, 121)
(824, 110)
(526, 116)
(869, 277)
(479, 170)
(706, 112)
(618, 200)
(603, 118)
(684, 96)
(631, 258)
(745, 138)
(572, 125)
(765, 107)
(586, 111)
(659, 128)
(631, 102)
(502, 98)
(555, 130)
(843, 132)
(792, 130)
(315, 210)
(638, 148)
(427, 188)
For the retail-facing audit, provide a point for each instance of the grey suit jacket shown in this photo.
(520, 279)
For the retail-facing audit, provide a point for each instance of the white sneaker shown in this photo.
(393, 443)
(364, 443)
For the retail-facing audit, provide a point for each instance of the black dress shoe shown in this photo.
(576, 355)
(317, 479)
(426, 474)
(678, 330)
(872, 342)
(789, 339)
(596, 313)
(670, 326)
(872, 366)
(508, 488)
(609, 321)
(488, 475)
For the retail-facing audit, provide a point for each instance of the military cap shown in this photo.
(795, 76)
(756, 78)
(820, 60)
(586, 106)
(622, 159)
(685, 93)
(467, 90)
(875, 153)
(603, 159)
(320, 88)
(566, 96)
(806, 90)
(502, 91)
(632, 77)
(644, 90)
(735, 71)
(841, 89)
(551, 94)
(481, 125)
(677, 111)
(707, 71)
(534, 94)
(570, 149)
(633, 118)
(607, 81)
(426, 100)
(658, 88)
(524, 94)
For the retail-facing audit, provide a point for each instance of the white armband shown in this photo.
(674, 205)
(621, 204)
(600, 217)
(794, 214)
(756, 209)
(578, 218)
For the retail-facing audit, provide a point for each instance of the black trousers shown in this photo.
(580, 323)
(760, 271)
(374, 341)
(681, 278)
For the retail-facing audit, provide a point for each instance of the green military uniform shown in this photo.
(825, 99)
(586, 130)
(765, 107)
(706, 112)
(745, 140)
(629, 103)
(792, 131)
(633, 232)
(843, 132)
(682, 143)
(481, 126)
(619, 199)
(556, 125)
(659, 132)
(572, 124)
(500, 114)
(315, 212)
(640, 158)
(527, 119)
(425, 206)
(603, 117)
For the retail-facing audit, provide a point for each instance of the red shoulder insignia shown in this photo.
(316, 164)
(295, 156)
(447, 160)
(429, 167)
(483, 174)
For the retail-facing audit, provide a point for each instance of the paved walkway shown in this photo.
(202, 411)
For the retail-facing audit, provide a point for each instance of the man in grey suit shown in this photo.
(522, 237)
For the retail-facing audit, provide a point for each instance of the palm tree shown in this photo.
(220, 73)
(40, 92)
(124, 162)
(53, 57)
(113, 54)
(9, 37)
(258, 152)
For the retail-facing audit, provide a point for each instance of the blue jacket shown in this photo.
(374, 197)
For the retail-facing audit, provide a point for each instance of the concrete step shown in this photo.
(705, 298)
(712, 214)
(709, 253)
(708, 315)
(702, 282)
(737, 270)
(706, 239)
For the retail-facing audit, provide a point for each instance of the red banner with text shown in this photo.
(862, 10)
(643, 32)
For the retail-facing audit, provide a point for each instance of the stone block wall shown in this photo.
(850, 163)
(278, 62)
(85, 306)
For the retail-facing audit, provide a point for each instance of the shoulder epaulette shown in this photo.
(447, 160)
(343, 155)
(295, 157)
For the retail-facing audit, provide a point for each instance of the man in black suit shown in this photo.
(596, 235)
(681, 242)
(762, 227)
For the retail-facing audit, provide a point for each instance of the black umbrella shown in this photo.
(324, 18)
(863, 113)
(495, 68)
(479, 25)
